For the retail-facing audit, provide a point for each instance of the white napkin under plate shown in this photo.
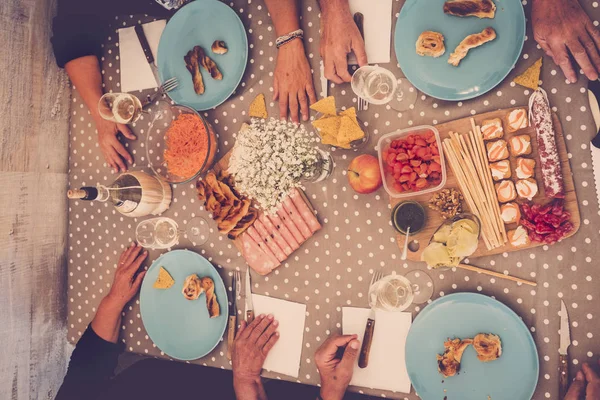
(387, 368)
(135, 71)
(284, 357)
(377, 29)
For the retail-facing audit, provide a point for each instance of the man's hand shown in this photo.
(562, 27)
(293, 85)
(339, 36)
(113, 150)
(124, 285)
(586, 383)
(336, 372)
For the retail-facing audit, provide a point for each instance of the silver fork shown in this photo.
(363, 359)
(363, 105)
(232, 321)
(167, 86)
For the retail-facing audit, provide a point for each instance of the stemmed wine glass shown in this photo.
(122, 108)
(378, 85)
(163, 233)
(397, 292)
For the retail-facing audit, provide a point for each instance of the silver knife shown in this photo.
(248, 298)
(593, 95)
(565, 342)
(139, 30)
(324, 81)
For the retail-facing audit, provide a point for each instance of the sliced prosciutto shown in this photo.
(256, 258)
(287, 221)
(307, 215)
(275, 235)
(283, 229)
(294, 214)
(259, 228)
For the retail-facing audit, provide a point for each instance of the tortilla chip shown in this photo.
(164, 279)
(349, 131)
(258, 107)
(327, 125)
(329, 139)
(350, 112)
(325, 106)
(531, 77)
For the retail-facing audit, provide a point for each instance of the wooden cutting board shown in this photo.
(434, 218)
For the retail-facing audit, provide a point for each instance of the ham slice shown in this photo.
(275, 234)
(307, 215)
(259, 228)
(261, 243)
(283, 229)
(294, 214)
(256, 258)
(287, 221)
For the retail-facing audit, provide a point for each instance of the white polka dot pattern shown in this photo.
(332, 269)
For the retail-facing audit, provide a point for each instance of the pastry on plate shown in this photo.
(219, 47)
(527, 188)
(525, 168)
(449, 362)
(510, 213)
(192, 288)
(430, 44)
(520, 145)
(193, 66)
(468, 8)
(506, 191)
(500, 170)
(164, 279)
(488, 347)
(518, 237)
(208, 286)
(497, 150)
(470, 42)
(492, 129)
(208, 64)
(516, 119)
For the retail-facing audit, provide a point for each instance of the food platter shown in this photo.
(434, 218)
(200, 23)
(179, 327)
(513, 375)
(481, 70)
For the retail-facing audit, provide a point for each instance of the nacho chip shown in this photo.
(164, 279)
(258, 107)
(531, 77)
(350, 112)
(349, 131)
(325, 106)
(327, 125)
(329, 139)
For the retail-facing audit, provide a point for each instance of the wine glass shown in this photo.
(397, 292)
(164, 233)
(378, 86)
(122, 108)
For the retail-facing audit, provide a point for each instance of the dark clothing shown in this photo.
(81, 26)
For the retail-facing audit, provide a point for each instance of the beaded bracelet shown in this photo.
(281, 40)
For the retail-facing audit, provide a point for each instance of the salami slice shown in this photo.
(307, 215)
(266, 238)
(275, 234)
(287, 221)
(256, 258)
(283, 229)
(292, 211)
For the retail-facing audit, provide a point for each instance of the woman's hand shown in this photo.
(113, 150)
(126, 284)
(336, 372)
(293, 84)
(562, 27)
(586, 384)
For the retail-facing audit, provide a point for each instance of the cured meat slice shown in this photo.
(307, 215)
(283, 229)
(259, 228)
(261, 243)
(256, 258)
(287, 221)
(276, 235)
(294, 214)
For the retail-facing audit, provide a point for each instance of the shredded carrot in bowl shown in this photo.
(187, 146)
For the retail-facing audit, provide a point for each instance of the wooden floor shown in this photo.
(34, 98)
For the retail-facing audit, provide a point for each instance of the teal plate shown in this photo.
(513, 376)
(182, 328)
(481, 70)
(200, 23)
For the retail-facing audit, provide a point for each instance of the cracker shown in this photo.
(258, 107)
(531, 77)
(325, 106)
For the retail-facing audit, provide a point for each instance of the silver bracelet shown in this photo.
(281, 40)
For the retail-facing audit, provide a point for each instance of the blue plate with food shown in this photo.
(469, 346)
(458, 49)
(183, 304)
(204, 46)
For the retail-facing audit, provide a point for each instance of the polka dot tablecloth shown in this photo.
(333, 268)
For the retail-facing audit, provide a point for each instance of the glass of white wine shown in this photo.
(164, 233)
(122, 108)
(397, 292)
(378, 86)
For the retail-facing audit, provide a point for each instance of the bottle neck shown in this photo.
(90, 193)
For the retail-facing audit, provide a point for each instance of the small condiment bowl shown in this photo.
(397, 208)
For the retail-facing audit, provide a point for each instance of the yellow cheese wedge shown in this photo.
(531, 77)
(164, 280)
(258, 107)
(325, 106)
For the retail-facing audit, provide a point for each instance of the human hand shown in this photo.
(113, 150)
(339, 36)
(251, 346)
(560, 27)
(586, 383)
(293, 85)
(124, 285)
(336, 372)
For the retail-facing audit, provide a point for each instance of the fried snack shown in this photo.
(339, 130)
(488, 347)
(430, 44)
(468, 8)
(449, 362)
(219, 47)
(325, 106)
(531, 77)
(243, 223)
(208, 64)
(164, 279)
(258, 107)
(193, 65)
(192, 288)
(212, 305)
(470, 42)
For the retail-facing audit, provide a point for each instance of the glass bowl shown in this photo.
(193, 164)
(355, 144)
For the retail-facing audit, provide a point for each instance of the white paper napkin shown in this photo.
(284, 357)
(135, 71)
(377, 29)
(387, 368)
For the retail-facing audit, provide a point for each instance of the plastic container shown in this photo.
(388, 179)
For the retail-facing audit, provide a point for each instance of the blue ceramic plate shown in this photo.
(481, 70)
(513, 376)
(182, 328)
(200, 23)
